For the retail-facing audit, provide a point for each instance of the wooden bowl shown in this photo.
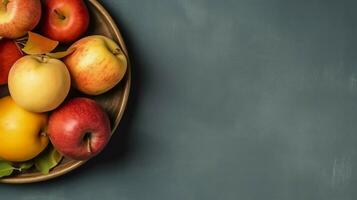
(114, 101)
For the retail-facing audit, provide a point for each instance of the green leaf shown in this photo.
(47, 160)
(25, 165)
(6, 168)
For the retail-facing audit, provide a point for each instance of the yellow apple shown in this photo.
(22, 135)
(39, 83)
(96, 65)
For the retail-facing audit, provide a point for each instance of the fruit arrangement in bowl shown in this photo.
(64, 85)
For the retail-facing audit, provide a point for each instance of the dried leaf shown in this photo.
(61, 54)
(38, 44)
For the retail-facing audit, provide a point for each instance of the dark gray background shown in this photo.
(232, 99)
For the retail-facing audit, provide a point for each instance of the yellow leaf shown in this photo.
(60, 54)
(38, 44)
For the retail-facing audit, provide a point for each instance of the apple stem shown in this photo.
(44, 59)
(4, 5)
(43, 134)
(60, 15)
(117, 51)
(89, 148)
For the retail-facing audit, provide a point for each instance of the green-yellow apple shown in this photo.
(39, 83)
(96, 65)
(18, 16)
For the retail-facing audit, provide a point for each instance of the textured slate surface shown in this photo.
(232, 99)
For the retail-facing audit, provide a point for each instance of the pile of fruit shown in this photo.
(44, 53)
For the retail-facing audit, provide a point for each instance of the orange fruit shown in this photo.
(21, 132)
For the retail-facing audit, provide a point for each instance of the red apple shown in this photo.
(79, 129)
(65, 20)
(18, 16)
(9, 54)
